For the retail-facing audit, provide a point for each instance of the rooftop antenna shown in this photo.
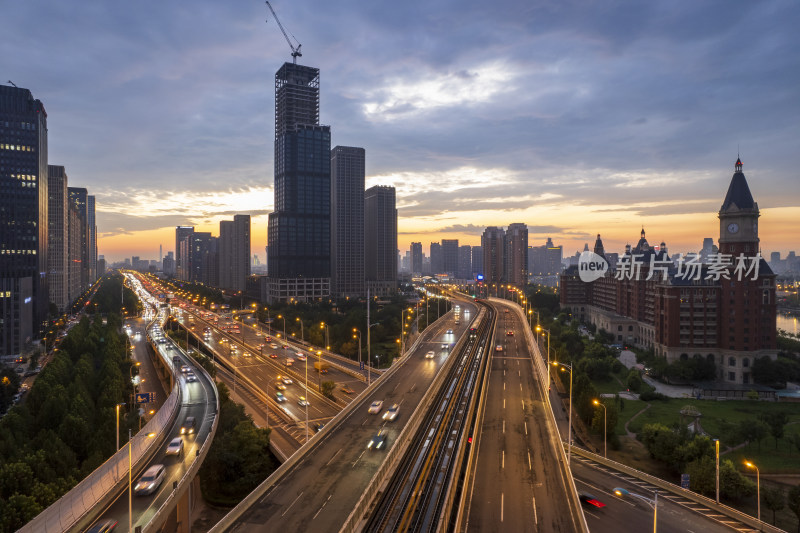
(14, 84)
(295, 49)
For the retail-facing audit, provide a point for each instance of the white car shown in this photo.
(430, 355)
(302, 402)
(150, 480)
(175, 447)
(375, 407)
(301, 357)
(391, 413)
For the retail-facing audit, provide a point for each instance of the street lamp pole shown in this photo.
(117, 409)
(569, 429)
(130, 483)
(306, 402)
(302, 330)
(605, 428)
(716, 447)
(284, 326)
(357, 332)
(758, 489)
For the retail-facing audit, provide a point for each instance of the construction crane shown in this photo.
(295, 49)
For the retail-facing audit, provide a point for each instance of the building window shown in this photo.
(731, 376)
(745, 362)
(731, 361)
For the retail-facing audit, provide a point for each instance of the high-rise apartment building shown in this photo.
(79, 198)
(437, 259)
(58, 236)
(233, 252)
(181, 251)
(91, 267)
(516, 254)
(464, 262)
(24, 294)
(477, 261)
(416, 258)
(380, 239)
(450, 256)
(299, 233)
(493, 244)
(347, 221)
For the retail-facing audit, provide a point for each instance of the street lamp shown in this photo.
(117, 409)
(569, 429)
(357, 332)
(716, 447)
(605, 429)
(284, 325)
(653, 503)
(758, 488)
(327, 335)
(302, 330)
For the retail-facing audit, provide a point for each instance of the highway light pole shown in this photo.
(605, 429)
(569, 429)
(357, 332)
(716, 447)
(302, 330)
(306, 402)
(117, 409)
(758, 489)
(284, 326)
(130, 483)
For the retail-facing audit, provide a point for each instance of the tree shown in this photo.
(776, 420)
(732, 484)
(774, 499)
(753, 430)
(634, 381)
(327, 388)
(793, 502)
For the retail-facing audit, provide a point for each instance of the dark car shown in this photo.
(188, 426)
(590, 500)
(378, 441)
(103, 527)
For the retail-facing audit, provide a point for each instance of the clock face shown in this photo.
(733, 227)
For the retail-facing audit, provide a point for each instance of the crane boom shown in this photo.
(295, 49)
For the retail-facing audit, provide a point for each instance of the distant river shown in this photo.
(789, 324)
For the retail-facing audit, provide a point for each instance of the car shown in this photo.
(273, 346)
(273, 356)
(375, 407)
(445, 346)
(318, 427)
(187, 428)
(103, 526)
(449, 331)
(267, 338)
(391, 413)
(430, 355)
(285, 346)
(347, 390)
(185, 369)
(301, 357)
(259, 334)
(191, 378)
(590, 500)
(505, 310)
(510, 333)
(287, 380)
(150, 480)
(377, 441)
(302, 402)
(247, 354)
(280, 386)
(288, 362)
(175, 447)
(280, 397)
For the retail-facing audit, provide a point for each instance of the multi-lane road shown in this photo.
(320, 491)
(518, 483)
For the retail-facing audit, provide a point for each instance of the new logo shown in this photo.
(591, 266)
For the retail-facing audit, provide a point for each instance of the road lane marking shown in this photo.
(290, 505)
(504, 403)
(504, 425)
(502, 497)
(526, 427)
(323, 506)
(332, 458)
(535, 518)
(529, 460)
(504, 385)
(503, 460)
(359, 457)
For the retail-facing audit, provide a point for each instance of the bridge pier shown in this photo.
(186, 506)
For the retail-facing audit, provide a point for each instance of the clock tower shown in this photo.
(738, 218)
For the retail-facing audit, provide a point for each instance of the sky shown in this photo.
(573, 117)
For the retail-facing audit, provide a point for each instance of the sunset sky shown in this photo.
(574, 117)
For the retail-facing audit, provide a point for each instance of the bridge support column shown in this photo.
(186, 505)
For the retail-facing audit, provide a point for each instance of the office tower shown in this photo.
(181, 258)
(91, 267)
(78, 197)
(101, 266)
(347, 221)
(450, 256)
(437, 259)
(24, 296)
(477, 261)
(380, 240)
(709, 249)
(493, 244)
(464, 262)
(160, 254)
(74, 251)
(57, 239)
(516, 254)
(416, 258)
(234, 253)
(299, 234)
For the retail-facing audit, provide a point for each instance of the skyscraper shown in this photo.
(516, 254)
(58, 236)
(181, 259)
(380, 239)
(347, 221)
(477, 260)
(299, 234)
(78, 197)
(493, 244)
(23, 218)
(233, 249)
(437, 259)
(464, 262)
(450, 256)
(416, 257)
(91, 267)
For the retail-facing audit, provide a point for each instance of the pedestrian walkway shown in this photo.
(672, 391)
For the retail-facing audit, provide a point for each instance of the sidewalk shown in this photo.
(673, 391)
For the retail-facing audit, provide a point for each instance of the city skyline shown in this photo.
(575, 121)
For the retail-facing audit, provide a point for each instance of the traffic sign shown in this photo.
(685, 481)
(145, 397)
(361, 365)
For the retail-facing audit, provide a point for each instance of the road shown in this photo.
(636, 514)
(518, 484)
(320, 491)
